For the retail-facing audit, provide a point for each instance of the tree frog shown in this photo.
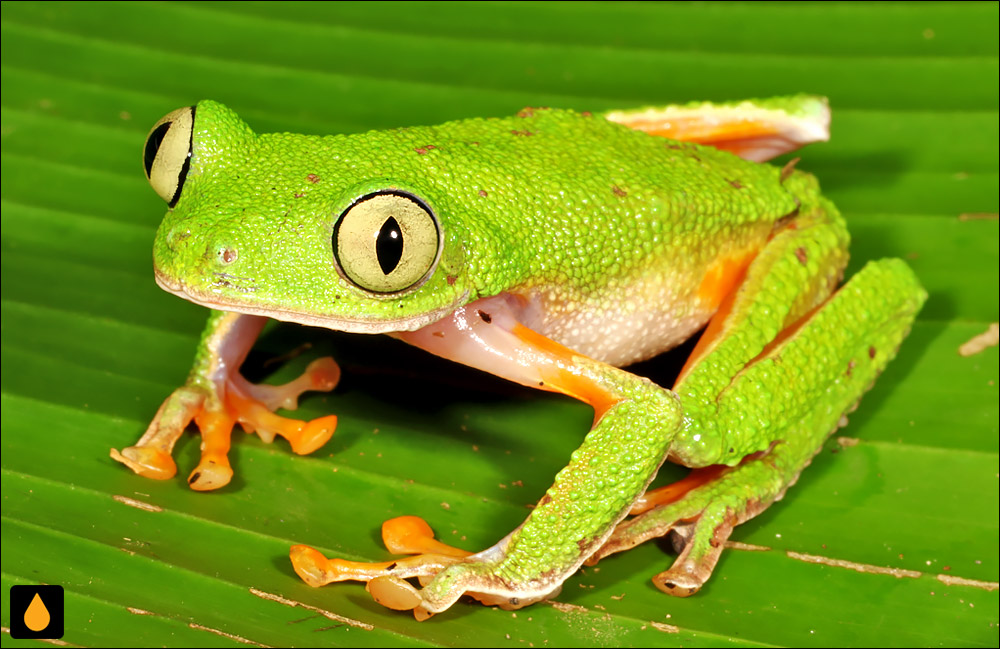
(551, 248)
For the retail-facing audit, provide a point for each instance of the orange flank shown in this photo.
(699, 129)
(738, 136)
(723, 277)
(677, 490)
(718, 290)
(568, 378)
(754, 132)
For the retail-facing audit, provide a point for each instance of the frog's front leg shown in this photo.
(634, 424)
(216, 396)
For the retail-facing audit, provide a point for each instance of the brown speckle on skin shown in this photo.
(421, 150)
(521, 133)
(451, 280)
(587, 113)
(313, 178)
(618, 191)
(299, 195)
(801, 255)
(871, 352)
(736, 184)
(483, 193)
(486, 317)
(850, 367)
(529, 111)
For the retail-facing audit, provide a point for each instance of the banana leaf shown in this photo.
(889, 538)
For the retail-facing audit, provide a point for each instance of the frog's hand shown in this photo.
(755, 129)
(633, 426)
(772, 377)
(216, 396)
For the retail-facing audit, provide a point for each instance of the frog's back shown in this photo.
(613, 236)
(623, 242)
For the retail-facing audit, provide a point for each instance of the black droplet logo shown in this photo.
(389, 245)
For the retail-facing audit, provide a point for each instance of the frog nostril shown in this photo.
(227, 255)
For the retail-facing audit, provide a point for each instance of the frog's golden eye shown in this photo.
(387, 242)
(167, 154)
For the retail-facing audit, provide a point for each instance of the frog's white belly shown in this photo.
(625, 325)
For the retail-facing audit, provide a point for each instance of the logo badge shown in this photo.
(36, 612)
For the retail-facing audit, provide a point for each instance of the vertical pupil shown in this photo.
(389, 245)
(153, 146)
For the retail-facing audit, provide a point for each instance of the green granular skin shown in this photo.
(550, 200)
(581, 211)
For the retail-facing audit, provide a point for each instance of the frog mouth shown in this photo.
(334, 322)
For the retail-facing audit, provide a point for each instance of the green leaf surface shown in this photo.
(889, 538)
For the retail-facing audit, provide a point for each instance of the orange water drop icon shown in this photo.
(36, 617)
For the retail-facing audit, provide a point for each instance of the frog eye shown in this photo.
(167, 154)
(386, 242)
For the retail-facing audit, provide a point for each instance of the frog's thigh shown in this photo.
(791, 276)
(634, 423)
(788, 374)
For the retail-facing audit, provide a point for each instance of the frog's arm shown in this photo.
(216, 396)
(754, 129)
(780, 364)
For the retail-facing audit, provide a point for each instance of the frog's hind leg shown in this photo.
(402, 535)
(633, 424)
(755, 129)
(216, 396)
(772, 377)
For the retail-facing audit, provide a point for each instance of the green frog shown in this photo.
(551, 248)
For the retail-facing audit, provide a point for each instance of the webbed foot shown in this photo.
(217, 396)
(386, 579)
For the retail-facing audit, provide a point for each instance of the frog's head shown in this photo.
(322, 231)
